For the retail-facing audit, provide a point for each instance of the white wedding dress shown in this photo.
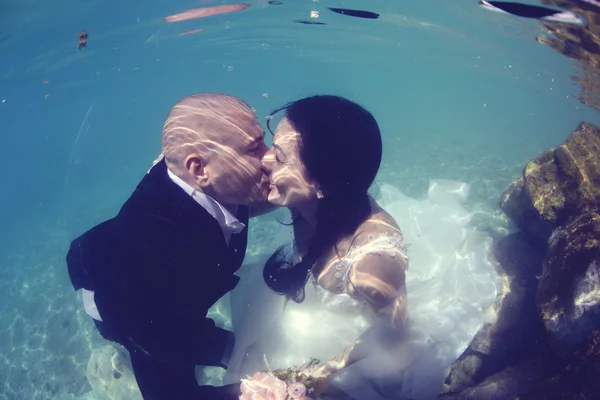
(451, 286)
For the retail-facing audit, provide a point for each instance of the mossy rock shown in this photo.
(568, 294)
(577, 379)
(558, 185)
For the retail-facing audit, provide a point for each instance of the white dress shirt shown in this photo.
(228, 222)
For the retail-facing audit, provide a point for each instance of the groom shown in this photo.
(149, 275)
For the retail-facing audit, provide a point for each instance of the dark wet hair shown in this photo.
(340, 148)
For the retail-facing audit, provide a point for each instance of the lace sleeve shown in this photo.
(392, 244)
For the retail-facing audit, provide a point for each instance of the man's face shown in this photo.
(234, 162)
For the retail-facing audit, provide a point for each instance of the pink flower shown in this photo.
(263, 386)
(296, 390)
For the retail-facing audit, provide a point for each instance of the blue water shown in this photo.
(459, 93)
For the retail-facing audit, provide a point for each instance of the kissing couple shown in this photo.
(324, 316)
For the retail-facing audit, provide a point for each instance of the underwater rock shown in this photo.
(568, 294)
(558, 185)
(520, 257)
(578, 379)
(110, 374)
(518, 332)
(465, 372)
(517, 324)
(506, 384)
(517, 205)
(517, 320)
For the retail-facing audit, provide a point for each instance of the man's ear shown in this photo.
(195, 166)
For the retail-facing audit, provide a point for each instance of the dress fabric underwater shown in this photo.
(451, 287)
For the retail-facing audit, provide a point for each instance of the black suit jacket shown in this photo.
(156, 269)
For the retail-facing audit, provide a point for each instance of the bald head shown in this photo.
(205, 131)
(203, 123)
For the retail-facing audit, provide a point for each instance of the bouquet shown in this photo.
(284, 384)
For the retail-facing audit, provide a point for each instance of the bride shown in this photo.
(341, 316)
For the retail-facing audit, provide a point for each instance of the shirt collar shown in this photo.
(228, 222)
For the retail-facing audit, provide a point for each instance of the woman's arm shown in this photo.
(379, 280)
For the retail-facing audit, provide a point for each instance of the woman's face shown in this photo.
(290, 185)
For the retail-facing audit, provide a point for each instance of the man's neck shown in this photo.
(232, 208)
(185, 177)
(225, 215)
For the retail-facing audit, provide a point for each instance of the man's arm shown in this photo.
(156, 290)
(167, 329)
(165, 306)
(183, 339)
